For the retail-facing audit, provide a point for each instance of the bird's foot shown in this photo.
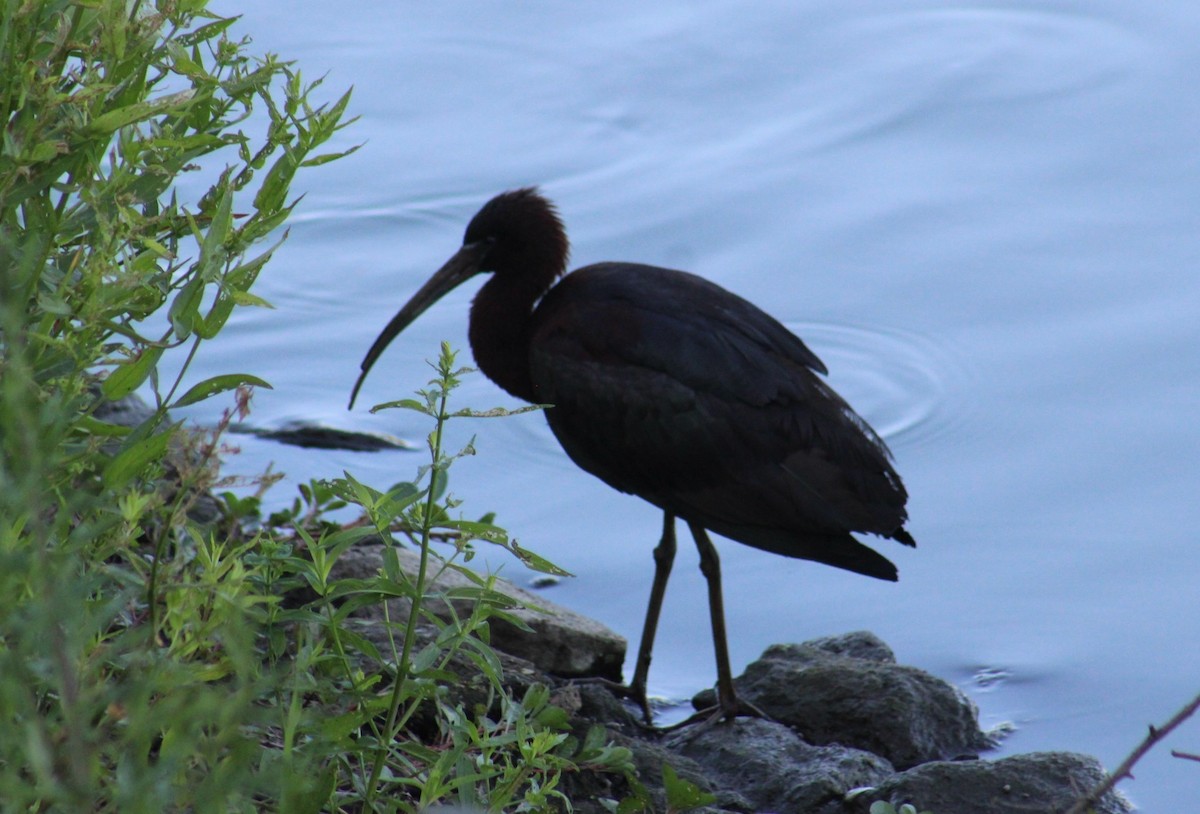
(700, 721)
(705, 719)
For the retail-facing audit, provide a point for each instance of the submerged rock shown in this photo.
(853, 727)
(311, 435)
(773, 768)
(1039, 781)
(849, 690)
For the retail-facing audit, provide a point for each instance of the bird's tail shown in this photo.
(840, 551)
(902, 536)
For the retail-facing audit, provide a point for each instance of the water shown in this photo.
(984, 218)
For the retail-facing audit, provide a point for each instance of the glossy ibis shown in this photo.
(669, 387)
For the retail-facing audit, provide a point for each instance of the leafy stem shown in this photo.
(443, 384)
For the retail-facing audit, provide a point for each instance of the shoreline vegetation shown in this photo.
(164, 646)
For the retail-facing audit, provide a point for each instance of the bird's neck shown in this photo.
(499, 333)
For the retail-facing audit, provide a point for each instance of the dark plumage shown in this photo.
(669, 387)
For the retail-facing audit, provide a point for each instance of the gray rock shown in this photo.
(867, 701)
(596, 703)
(857, 644)
(770, 766)
(131, 411)
(1040, 781)
(559, 641)
(649, 758)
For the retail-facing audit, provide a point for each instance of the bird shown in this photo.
(666, 386)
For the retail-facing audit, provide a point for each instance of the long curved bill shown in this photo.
(458, 269)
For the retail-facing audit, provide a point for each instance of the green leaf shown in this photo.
(206, 32)
(485, 531)
(335, 543)
(95, 426)
(156, 247)
(246, 298)
(212, 250)
(185, 308)
(393, 588)
(133, 460)
(537, 562)
(359, 642)
(683, 795)
(45, 151)
(553, 718)
(273, 192)
(399, 498)
(404, 404)
(496, 599)
(53, 304)
(130, 374)
(304, 794)
(492, 611)
(325, 158)
(210, 325)
(439, 480)
(218, 384)
(638, 801)
(114, 120)
(351, 489)
(499, 412)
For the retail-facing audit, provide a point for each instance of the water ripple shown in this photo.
(988, 54)
(926, 61)
(910, 387)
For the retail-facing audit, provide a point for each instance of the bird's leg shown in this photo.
(664, 558)
(728, 704)
(710, 566)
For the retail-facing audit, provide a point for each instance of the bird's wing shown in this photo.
(671, 388)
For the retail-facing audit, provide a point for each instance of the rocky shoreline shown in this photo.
(849, 725)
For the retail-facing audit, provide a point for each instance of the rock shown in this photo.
(131, 411)
(1039, 781)
(858, 644)
(769, 765)
(848, 690)
(560, 641)
(649, 757)
(310, 435)
(597, 704)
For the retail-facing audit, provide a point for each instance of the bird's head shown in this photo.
(517, 236)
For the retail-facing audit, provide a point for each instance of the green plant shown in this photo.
(347, 704)
(151, 658)
(525, 749)
(130, 676)
(681, 795)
